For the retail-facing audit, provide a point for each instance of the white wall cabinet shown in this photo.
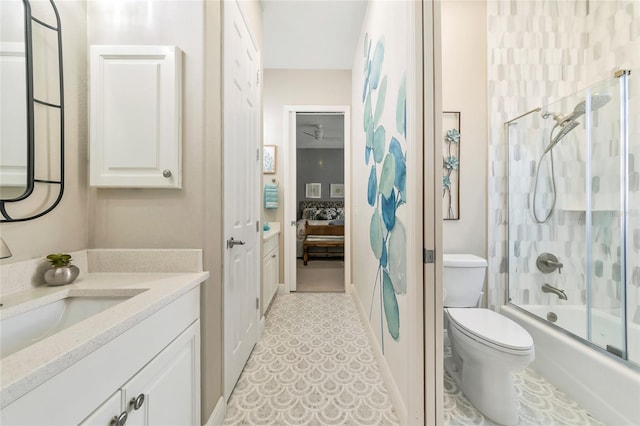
(135, 116)
(270, 270)
(159, 357)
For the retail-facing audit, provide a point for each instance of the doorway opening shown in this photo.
(320, 208)
(317, 243)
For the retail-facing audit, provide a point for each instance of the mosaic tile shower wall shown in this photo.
(540, 51)
(563, 233)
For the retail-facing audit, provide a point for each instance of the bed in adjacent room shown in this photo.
(319, 213)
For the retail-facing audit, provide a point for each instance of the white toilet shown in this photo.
(486, 347)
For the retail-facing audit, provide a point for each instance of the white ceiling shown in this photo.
(311, 34)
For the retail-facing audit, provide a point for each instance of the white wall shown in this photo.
(117, 214)
(464, 89)
(387, 237)
(65, 229)
(131, 218)
(190, 217)
(295, 87)
(150, 218)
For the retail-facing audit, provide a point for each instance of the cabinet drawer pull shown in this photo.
(137, 402)
(273, 255)
(119, 420)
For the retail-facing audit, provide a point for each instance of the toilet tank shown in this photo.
(462, 278)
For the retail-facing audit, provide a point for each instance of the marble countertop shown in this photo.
(27, 368)
(274, 229)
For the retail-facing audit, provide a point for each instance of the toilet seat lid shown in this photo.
(491, 327)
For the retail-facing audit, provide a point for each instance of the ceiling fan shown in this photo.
(318, 134)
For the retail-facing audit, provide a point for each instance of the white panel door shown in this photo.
(241, 193)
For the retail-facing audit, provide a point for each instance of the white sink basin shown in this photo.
(24, 329)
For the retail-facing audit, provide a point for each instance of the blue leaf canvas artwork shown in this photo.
(386, 188)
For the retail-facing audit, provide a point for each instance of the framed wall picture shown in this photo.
(337, 190)
(269, 159)
(451, 165)
(313, 190)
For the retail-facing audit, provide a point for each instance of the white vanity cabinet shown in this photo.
(158, 357)
(111, 406)
(164, 392)
(270, 270)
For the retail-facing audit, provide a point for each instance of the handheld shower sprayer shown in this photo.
(566, 127)
(566, 124)
(598, 100)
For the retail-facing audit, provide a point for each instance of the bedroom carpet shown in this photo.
(320, 276)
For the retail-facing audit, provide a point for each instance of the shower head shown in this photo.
(567, 126)
(597, 101)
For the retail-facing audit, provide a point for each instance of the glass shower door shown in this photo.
(605, 213)
(569, 213)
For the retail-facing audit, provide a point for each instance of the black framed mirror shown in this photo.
(31, 109)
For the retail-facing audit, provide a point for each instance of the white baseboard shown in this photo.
(217, 416)
(392, 387)
(261, 325)
(282, 289)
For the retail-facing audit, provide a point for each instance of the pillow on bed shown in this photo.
(329, 213)
(312, 214)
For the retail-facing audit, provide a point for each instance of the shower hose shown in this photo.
(546, 217)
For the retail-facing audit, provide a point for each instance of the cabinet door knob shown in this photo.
(119, 420)
(166, 173)
(137, 402)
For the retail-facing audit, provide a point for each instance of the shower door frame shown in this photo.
(624, 190)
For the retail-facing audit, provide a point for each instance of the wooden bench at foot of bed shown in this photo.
(322, 236)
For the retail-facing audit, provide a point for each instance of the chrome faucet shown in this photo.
(548, 262)
(546, 288)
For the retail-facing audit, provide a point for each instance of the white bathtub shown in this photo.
(607, 388)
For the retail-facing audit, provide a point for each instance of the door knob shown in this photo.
(166, 173)
(231, 243)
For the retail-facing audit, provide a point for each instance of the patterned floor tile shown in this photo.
(312, 366)
(541, 404)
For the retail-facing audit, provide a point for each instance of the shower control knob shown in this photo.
(548, 263)
(166, 173)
